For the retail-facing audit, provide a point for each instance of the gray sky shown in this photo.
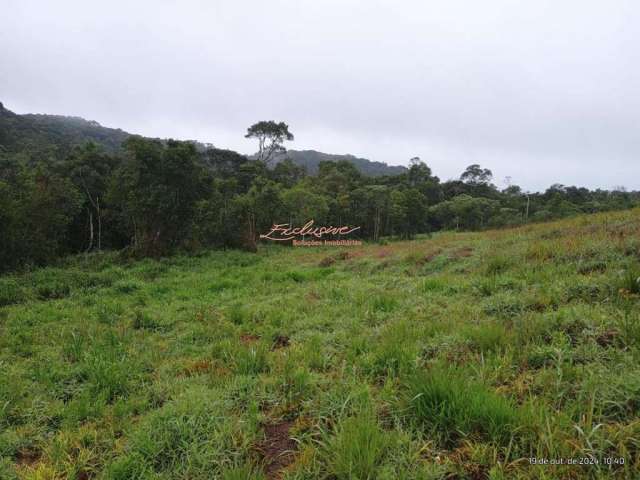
(542, 91)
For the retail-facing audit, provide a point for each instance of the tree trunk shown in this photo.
(99, 224)
(90, 230)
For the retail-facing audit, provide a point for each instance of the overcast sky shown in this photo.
(541, 91)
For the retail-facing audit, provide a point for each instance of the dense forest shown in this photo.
(66, 187)
(310, 160)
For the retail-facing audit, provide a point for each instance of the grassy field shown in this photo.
(459, 356)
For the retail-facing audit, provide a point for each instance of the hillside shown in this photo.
(459, 356)
(310, 159)
(54, 134)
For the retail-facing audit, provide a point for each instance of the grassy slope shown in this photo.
(465, 353)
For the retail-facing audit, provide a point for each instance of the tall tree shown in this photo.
(476, 175)
(271, 137)
(157, 189)
(89, 168)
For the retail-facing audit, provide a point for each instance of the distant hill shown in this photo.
(55, 135)
(310, 159)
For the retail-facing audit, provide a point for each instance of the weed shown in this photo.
(73, 347)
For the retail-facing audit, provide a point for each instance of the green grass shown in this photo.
(461, 355)
(449, 405)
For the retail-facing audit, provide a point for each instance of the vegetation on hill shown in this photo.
(310, 160)
(156, 197)
(460, 356)
(53, 136)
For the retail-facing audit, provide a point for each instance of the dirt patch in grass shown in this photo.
(277, 449)
(430, 256)
(27, 458)
(607, 338)
(281, 341)
(312, 296)
(198, 367)
(249, 338)
(472, 470)
(327, 262)
(340, 256)
(463, 252)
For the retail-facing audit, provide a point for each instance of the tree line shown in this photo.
(156, 197)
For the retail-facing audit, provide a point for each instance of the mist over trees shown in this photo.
(153, 197)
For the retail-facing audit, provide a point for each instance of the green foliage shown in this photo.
(157, 189)
(71, 186)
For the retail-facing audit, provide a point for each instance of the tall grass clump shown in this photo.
(10, 292)
(190, 437)
(244, 472)
(497, 265)
(452, 407)
(250, 359)
(357, 449)
(394, 351)
(630, 280)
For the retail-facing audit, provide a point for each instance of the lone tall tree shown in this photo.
(271, 136)
(476, 175)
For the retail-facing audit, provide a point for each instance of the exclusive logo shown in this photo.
(282, 232)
